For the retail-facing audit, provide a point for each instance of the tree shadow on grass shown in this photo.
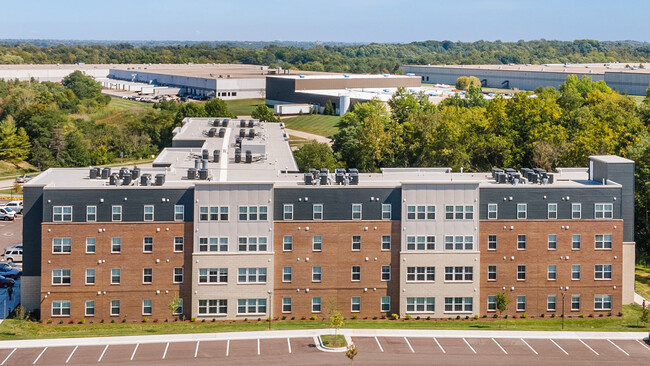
(479, 326)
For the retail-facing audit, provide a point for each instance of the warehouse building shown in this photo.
(224, 221)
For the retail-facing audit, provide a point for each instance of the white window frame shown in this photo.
(551, 241)
(602, 300)
(119, 244)
(357, 211)
(384, 300)
(575, 277)
(287, 212)
(252, 275)
(575, 299)
(495, 241)
(421, 274)
(519, 271)
(492, 269)
(220, 307)
(519, 241)
(258, 305)
(144, 307)
(356, 242)
(315, 303)
(287, 274)
(317, 211)
(551, 272)
(62, 244)
(94, 276)
(385, 273)
(466, 273)
(116, 210)
(88, 244)
(287, 243)
(60, 275)
(115, 303)
(420, 305)
(493, 208)
(353, 272)
(549, 302)
(145, 275)
(410, 212)
(385, 239)
(606, 212)
(524, 206)
(113, 276)
(552, 211)
(180, 242)
(145, 244)
(466, 304)
(145, 213)
(601, 271)
(316, 274)
(573, 241)
(63, 216)
(286, 303)
(314, 241)
(600, 243)
(386, 211)
(179, 210)
(353, 303)
(91, 217)
(86, 307)
(62, 306)
(213, 276)
(576, 211)
(204, 214)
(491, 303)
(178, 271)
(520, 305)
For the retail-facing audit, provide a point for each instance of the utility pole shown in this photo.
(564, 293)
(270, 309)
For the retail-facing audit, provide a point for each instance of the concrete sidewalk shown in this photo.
(438, 333)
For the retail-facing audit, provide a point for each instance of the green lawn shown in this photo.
(126, 104)
(11, 170)
(334, 341)
(642, 279)
(318, 124)
(17, 329)
(244, 107)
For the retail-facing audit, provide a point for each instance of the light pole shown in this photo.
(270, 309)
(563, 293)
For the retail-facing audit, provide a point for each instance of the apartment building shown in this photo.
(224, 222)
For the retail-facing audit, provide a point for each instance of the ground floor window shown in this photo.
(355, 303)
(61, 308)
(251, 306)
(521, 303)
(492, 303)
(575, 302)
(115, 307)
(420, 304)
(551, 303)
(385, 304)
(90, 308)
(286, 304)
(458, 304)
(213, 307)
(147, 307)
(603, 302)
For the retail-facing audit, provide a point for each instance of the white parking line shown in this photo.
(379, 344)
(71, 353)
(558, 346)
(592, 350)
(165, 353)
(615, 345)
(643, 344)
(135, 350)
(228, 348)
(258, 346)
(39, 356)
(102, 355)
(407, 342)
(5, 360)
(442, 349)
(495, 341)
(531, 348)
(468, 345)
(289, 344)
(196, 351)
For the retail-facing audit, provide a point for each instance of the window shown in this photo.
(420, 304)
(386, 211)
(61, 308)
(431, 212)
(116, 245)
(356, 242)
(459, 212)
(576, 240)
(421, 212)
(385, 242)
(213, 275)
(492, 211)
(179, 243)
(603, 241)
(458, 304)
(287, 243)
(288, 212)
(575, 302)
(90, 308)
(90, 245)
(575, 272)
(410, 212)
(90, 276)
(315, 304)
(385, 304)
(550, 303)
(459, 273)
(116, 212)
(115, 307)
(552, 211)
(492, 242)
(603, 302)
(356, 211)
(521, 242)
(147, 244)
(147, 307)
(317, 243)
(243, 213)
(60, 276)
(551, 272)
(459, 242)
(61, 245)
(552, 242)
(218, 244)
(179, 309)
(252, 213)
(385, 273)
(316, 274)
(492, 273)
(521, 273)
(91, 213)
(355, 302)
(223, 213)
(420, 274)
(246, 213)
(179, 212)
(604, 211)
(286, 304)
(576, 210)
(203, 213)
(251, 244)
(286, 274)
(263, 214)
(251, 306)
(356, 273)
(491, 303)
(62, 213)
(147, 275)
(603, 272)
(317, 211)
(178, 274)
(148, 213)
(213, 307)
(116, 276)
(521, 303)
(252, 275)
(522, 210)
(214, 213)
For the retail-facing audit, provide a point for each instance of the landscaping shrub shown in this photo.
(395, 316)
(124, 320)
(192, 320)
(553, 315)
(82, 321)
(60, 321)
(417, 318)
(619, 314)
(506, 316)
(524, 316)
(476, 317)
(49, 321)
(466, 317)
(581, 316)
(313, 317)
(600, 315)
(383, 316)
(407, 317)
(259, 319)
(284, 317)
(214, 320)
(541, 315)
(429, 317)
(354, 316)
(457, 317)
(514, 316)
(92, 322)
(484, 316)
(495, 316)
(609, 314)
(145, 319)
(374, 318)
(293, 318)
(245, 320)
(591, 315)
(202, 320)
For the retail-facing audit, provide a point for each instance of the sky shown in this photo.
(326, 20)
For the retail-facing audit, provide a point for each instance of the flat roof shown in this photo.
(383, 94)
(595, 68)
(209, 71)
(318, 76)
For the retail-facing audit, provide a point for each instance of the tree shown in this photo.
(83, 86)
(329, 109)
(174, 304)
(336, 322)
(464, 82)
(351, 352)
(14, 143)
(264, 113)
(644, 317)
(217, 108)
(189, 110)
(502, 304)
(315, 155)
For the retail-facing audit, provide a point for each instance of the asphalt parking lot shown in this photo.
(11, 232)
(372, 350)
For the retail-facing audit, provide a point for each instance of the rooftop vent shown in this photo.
(242, 133)
(204, 154)
(93, 173)
(160, 179)
(237, 155)
(251, 133)
(242, 123)
(126, 179)
(222, 132)
(225, 122)
(215, 156)
(251, 123)
(249, 156)
(145, 180)
(211, 132)
(191, 173)
(135, 173)
(203, 174)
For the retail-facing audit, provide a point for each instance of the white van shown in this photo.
(13, 255)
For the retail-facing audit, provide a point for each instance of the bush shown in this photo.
(82, 321)
(284, 317)
(619, 314)
(214, 320)
(524, 316)
(395, 316)
(514, 316)
(457, 317)
(102, 321)
(429, 317)
(495, 316)
(600, 315)
(293, 318)
(506, 316)
(202, 320)
(166, 320)
(374, 318)
(124, 320)
(92, 322)
(484, 316)
(553, 315)
(245, 320)
(313, 317)
(383, 316)
(466, 317)
(407, 317)
(259, 320)
(49, 321)
(581, 316)
(591, 315)
(476, 317)
(354, 316)
(417, 318)
(541, 315)
(609, 314)
(145, 319)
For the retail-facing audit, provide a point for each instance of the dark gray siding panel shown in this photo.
(623, 174)
(132, 207)
(337, 202)
(538, 206)
(33, 213)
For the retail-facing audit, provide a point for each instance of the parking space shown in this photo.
(149, 351)
(22, 355)
(455, 346)
(86, 355)
(303, 346)
(486, 346)
(515, 346)
(274, 347)
(209, 349)
(607, 347)
(55, 356)
(367, 344)
(180, 350)
(425, 345)
(634, 347)
(397, 345)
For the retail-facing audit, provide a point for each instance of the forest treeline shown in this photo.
(360, 58)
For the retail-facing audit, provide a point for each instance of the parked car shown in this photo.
(28, 178)
(9, 272)
(13, 254)
(7, 214)
(17, 206)
(20, 179)
(6, 282)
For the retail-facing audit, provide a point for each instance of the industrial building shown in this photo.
(626, 78)
(224, 221)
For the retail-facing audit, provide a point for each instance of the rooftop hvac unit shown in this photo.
(242, 133)
(215, 156)
(323, 179)
(340, 170)
(496, 171)
(145, 180)
(524, 172)
(222, 132)
(126, 179)
(211, 132)
(204, 154)
(191, 173)
(242, 124)
(324, 170)
(225, 122)
(216, 123)
(237, 141)
(509, 170)
(539, 170)
(112, 179)
(354, 179)
(135, 173)
(160, 179)
(308, 178)
(93, 173)
(251, 123)
(251, 133)
(550, 178)
(353, 170)
(237, 155)
(532, 177)
(501, 178)
(98, 170)
(203, 174)
(340, 178)
(249, 156)
(122, 172)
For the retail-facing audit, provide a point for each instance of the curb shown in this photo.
(321, 347)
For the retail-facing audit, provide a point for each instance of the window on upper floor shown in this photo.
(603, 241)
(252, 244)
(385, 242)
(385, 273)
(603, 272)
(317, 243)
(492, 273)
(91, 245)
(116, 276)
(148, 213)
(522, 210)
(459, 273)
(492, 211)
(316, 274)
(179, 212)
(147, 244)
(576, 241)
(287, 243)
(521, 242)
(575, 272)
(287, 274)
(62, 213)
(459, 242)
(551, 272)
(521, 273)
(552, 242)
(356, 242)
(459, 212)
(420, 274)
(356, 211)
(287, 212)
(213, 275)
(317, 211)
(147, 275)
(492, 242)
(116, 213)
(61, 276)
(61, 245)
(215, 244)
(386, 211)
(116, 245)
(356, 273)
(552, 211)
(91, 213)
(604, 211)
(252, 275)
(179, 243)
(576, 210)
